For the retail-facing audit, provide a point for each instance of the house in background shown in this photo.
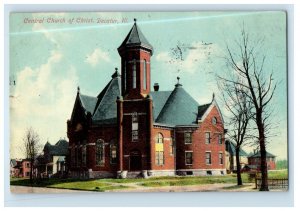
(25, 168)
(53, 160)
(15, 166)
(254, 161)
(231, 165)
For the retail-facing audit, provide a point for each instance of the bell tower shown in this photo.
(135, 52)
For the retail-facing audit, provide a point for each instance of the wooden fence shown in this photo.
(273, 183)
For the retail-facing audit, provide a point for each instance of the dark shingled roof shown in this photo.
(179, 109)
(134, 38)
(159, 100)
(60, 148)
(13, 162)
(230, 147)
(106, 107)
(257, 155)
(88, 102)
(202, 109)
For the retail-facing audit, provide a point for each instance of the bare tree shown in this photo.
(239, 107)
(31, 148)
(247, 62)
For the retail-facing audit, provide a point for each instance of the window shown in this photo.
(159, 158)
(214, 120)
(208, 173)
(134, 75)
(220, 138)
(208, 158)
(188, 158)
(100, 153)
(159, 138)
(27, 165)
(172, 146)
(145, 75)
(187, 138)
(221, 158)
(27, 174)
(113, 154)
(207, 137)
(135, 127)
(84, 155)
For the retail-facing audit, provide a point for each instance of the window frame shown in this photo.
(100, 152)
(185, 158)
(186, 138)
(145, 75)
(113, 160)
(159, 158)
(220, 140)
(208, 158)
(208, 140)
(159, 139)
(134, 75)
(134, 132)
(221, 159)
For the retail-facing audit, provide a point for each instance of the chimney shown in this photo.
(156, 87)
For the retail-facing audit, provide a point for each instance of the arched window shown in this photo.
(159, 138)
(145, 74)
(134, 75)
(113, 153)
(100, 152)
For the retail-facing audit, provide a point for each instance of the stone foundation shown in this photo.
(201, 172)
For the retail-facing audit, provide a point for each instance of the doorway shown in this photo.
(135, 163)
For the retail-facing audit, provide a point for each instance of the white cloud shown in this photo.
(42, 98)
(96, 56)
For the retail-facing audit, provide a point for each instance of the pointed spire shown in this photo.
(116, 73)
(134, 20)
(178, 84)
(213, 97)
(78, 90)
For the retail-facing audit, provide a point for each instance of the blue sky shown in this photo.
(48, 61)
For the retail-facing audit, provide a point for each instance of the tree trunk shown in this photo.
(263, 160)
(238, 166)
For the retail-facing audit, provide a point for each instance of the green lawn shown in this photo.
(111, 184)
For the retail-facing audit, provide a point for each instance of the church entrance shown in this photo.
(135, 163)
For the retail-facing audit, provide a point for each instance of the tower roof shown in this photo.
(135, 38)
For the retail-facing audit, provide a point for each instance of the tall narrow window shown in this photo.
(100, 153)
(221, 158)
(159, 158)
(172, 146)
(125, 75)
(134, 75)
(220, 138)
(84, 155)
(208, 158)
(188, 158)
(207, 137)
(188, 138)
(135, 127)
(159, 138)
(113, 153)
(145, 75)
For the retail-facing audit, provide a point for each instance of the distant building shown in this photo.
(231, 165)
(25, 168)
(53, 160)
(15, 166)
(129, 130)
(254, 161)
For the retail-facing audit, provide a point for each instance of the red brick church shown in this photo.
(129, 130)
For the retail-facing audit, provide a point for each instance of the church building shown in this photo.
(129, 130)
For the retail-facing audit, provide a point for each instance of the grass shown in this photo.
(112, 184)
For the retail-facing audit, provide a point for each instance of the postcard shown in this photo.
(148, 101)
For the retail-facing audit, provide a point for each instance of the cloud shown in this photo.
(43, 97)
(96, 56)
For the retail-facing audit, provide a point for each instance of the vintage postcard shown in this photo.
(148, 101)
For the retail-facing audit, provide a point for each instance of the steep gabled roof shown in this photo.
(60, 148)
(106, 106)
(88, 103)
(134, 38)
(230, 147)
(202, 109)
(179, 109)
